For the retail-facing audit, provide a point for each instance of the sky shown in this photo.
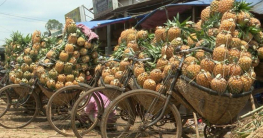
(25, 16)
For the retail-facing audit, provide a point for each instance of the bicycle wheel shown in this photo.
(135, 124)
(82, 122)
(59, 108)
(4, 103)
(23, 106)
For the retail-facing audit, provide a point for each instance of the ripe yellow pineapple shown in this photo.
(204, 78)
(133, 45)
(222, 69)
(124, 64)
(138, 70)
(207, 64)
(260, 53)
(149, 84)
(225, 5)
(235, 85)
(220, 53)
(236, 43)
(173, 32)
(245, 63)
(156, 75)
(81, 41)
(176, 42)
(214, 6)
(205, 13)
(142, 34)
(142, 77)
(247, 82)
(192, 70)
(234, 70)
(228, 25)
(161, 63)
(108, 79)
(229, 15)
(224, 37)
(159, 32)
(63, 56)
(254, 22)
(167, 50)
(234, 55)
(219, 84)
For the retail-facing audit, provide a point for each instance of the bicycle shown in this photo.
(82, 126)
(159, 117)
(60, 104)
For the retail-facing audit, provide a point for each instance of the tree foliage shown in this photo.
(53, 24)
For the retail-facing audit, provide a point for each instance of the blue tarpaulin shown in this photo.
(101, 23)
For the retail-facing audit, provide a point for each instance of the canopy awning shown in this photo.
(158, 16)
(102, 23)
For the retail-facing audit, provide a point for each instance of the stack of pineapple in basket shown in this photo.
(69, 62)
(26, 63)
(226, 27)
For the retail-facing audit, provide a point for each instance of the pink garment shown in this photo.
(92, 109)
(91, 35)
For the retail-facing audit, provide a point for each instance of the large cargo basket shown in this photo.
(215, 108)
(63, 98)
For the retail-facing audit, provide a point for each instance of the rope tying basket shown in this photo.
(216, 109)
(63, 98)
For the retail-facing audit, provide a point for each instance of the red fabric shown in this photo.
(91, 35)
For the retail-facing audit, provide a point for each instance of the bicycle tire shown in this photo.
(59, 108)
(77, 111)
(4, 103)
(135, 127)
(23, 109)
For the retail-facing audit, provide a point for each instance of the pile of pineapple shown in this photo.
(226, 27)
(26, 63)
(70, 62)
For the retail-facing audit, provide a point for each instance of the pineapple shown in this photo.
(105, 72)
(247, 82)
(236, 43)
(108, 79)
(259, 37)
(118, 75)
(133, 45)
(214, 6)
(228, 25)
(159, 32)
(205, 13)
(235, 85)
(219, 84)
(69, 48)
(156, 75)
(207, 64)
(200, 54)
(51, 84)
(63, 56)
(213, 32)
(189, 59)
(192, 70)
(254, 22)
(160, 88)
(220, 53)
(62, 78)
(142, 78)
(124, 64)
(224, 37)
(72, 39)
(167, 50)
(222, 69)
(142, 34)
(173, 32)
(245, 63)
(138, 70)
(59, 66)
(204, 78)
(229, 15)
(70, 77)
(198, 26)
(234, 55)
(235, 69)
(53, 74)
(243, 18)
(68, 67)
(225, 5)
(115, 82)
(131, 37)
(191, 40)
(161, 63)
(59, 85)
(81, 41)
(149, 84)
(176, 42)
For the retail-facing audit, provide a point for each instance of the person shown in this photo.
(91, 111)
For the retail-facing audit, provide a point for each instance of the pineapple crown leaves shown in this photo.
(242, 6)
(213, 21)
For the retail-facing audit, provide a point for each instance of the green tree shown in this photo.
(53, 24)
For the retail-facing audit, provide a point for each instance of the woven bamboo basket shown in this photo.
(216, 109)
(22, 91)
(63, 98)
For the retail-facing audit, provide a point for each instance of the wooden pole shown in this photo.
(196, 125)
(252, 102)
